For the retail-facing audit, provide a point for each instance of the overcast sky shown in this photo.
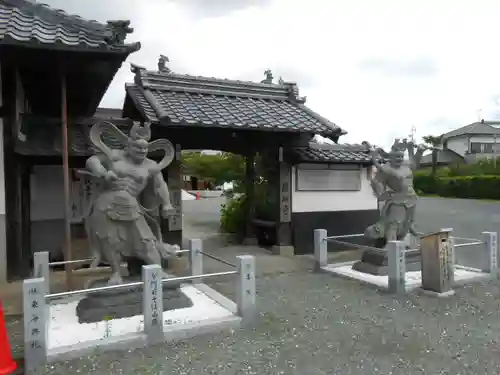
(375, 68)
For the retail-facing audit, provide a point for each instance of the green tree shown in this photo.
(433, 141)
(216, 169)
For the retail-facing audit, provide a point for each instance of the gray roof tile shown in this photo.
(200, 101)
(475, 128)
(347, 154)
(28, 22)
(45, 139)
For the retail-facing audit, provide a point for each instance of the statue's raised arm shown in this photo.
(376, 154)
(416, 157)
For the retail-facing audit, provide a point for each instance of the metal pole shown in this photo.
(67, 204)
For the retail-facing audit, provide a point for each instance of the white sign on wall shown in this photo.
(328, 178)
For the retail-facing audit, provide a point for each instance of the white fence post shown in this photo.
(451, 241)
(397, 266)
(196, 258)
(320, 248)
(245, 287)
(35, 323)
(491, 244)
(41, 267)
(152, 299)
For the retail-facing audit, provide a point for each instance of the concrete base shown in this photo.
(432, 293)
(413, 280)
(140, 340)
(178, 264)
(376, 263)
(125, 303)
(285, 251)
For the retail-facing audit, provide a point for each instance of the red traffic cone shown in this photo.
(7, 364)
(197, 195)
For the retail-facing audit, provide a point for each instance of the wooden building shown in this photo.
(269, 119)
(55, 69)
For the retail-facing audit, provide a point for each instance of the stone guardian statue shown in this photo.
(118, 226)
(393, 186)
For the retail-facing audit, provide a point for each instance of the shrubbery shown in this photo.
(479, 180)
(233, 213)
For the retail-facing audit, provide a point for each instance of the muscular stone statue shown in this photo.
(393, 187)
(118, 225)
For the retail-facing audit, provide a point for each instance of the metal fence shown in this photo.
(396, 253)
(36, 296)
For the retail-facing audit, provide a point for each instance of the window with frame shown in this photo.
(328, 177)
(475, 147)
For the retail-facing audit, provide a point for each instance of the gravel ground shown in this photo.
(318, 324)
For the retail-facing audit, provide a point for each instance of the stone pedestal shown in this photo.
(375, 262)
(126, 302)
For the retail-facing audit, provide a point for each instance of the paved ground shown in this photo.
(318, 324)
(467, 217)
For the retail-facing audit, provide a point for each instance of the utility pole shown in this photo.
(413, 131)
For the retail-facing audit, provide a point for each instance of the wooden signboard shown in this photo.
(285, 194)
(437, 263)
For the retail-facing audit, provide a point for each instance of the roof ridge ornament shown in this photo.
(269, 77)
(118, 31)
(294, 93)
(162, 64)
(136, 69)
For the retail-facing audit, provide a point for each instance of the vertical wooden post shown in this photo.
(172, 231)
(283, 222)
(436, 260)
(250, 193)
(68, 256)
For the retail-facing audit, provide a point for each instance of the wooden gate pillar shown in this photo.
(250, 238)
(172, 227)
(284, 244)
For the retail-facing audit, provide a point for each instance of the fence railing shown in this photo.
(42, 264)
(36, 297)
(396, 253)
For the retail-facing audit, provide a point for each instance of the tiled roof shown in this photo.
(27, 22)
(347, 154)
(45, 139)
(183, 100)
(443, 157)
(483, 127)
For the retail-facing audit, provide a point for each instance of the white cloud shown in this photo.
(373, 67)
